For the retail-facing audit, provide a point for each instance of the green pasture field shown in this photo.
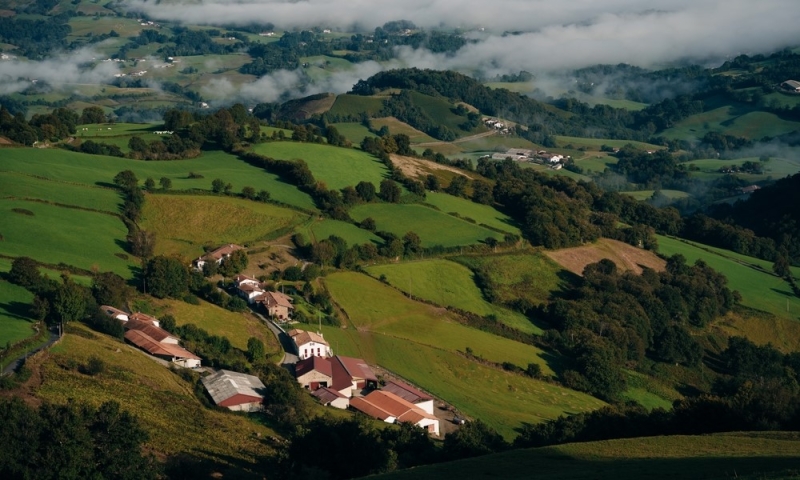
(396, 127)
(646, 194)
(15, 321)
(321, 67)
(20, 186)
(433, 227)
(86, 281)
(338, 167)
(116, 129)
(759, 289)
(374, 307)
(56, 234)
(238, 327)
(270, 130)
(614, 102)
(518, 87)
(164, 403)
(596, 143)
(346, 104)
(355, 132)
(183, 224)
(549, 171)
(448, 283)
(482, 214)
(81, 25)
(732, 120)
(474, 389)
(495, 143)
(440, 110)
(530, 276)
(596, 163)
(97, 169)
(783, 99)
(321, 229)
(747, 455)
(775, 168)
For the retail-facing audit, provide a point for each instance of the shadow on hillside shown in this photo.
(17, 310)
(785, 293)
(187, 467)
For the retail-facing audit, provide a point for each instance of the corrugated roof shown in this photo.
(112, 311)
(326, 395)
(347, 369)
(320, 364)
(406, 392)
(224, 384)
(156, 333)
(381, 404)
(153, 347)
(362, 405)
(143, 317)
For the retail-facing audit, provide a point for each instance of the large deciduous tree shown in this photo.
(166, 277)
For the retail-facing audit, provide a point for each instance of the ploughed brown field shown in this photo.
(626, 257)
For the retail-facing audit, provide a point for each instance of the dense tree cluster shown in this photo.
(616, 319)
(72, 441)
(35, 39)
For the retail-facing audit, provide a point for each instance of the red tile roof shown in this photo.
(271, 299)
(320, 364)
(382, 405)
(111, 311)
(223, 251)
(151, 346)
(156, 333)
(143, 317)
(302, 337)
(346, 370)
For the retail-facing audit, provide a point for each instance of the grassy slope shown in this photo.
(646, 194)
(96, 169)
(396, 127)
(355, 132)
(448, 284)
(530, 276)
(355, 104)
(596, 143)
(336, 166)
(15, 324)
(731, 455)
(184, 224)
(238, 327)
(420, 343)
(775, 168)
(320, 229)
(56, 234)
(480, 213)
(732, 120)
(473, 388)
(433, 227)
(164, 403)
(759, 289)
(23, 186)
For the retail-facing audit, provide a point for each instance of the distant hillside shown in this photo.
(626, 257)
(731, 455)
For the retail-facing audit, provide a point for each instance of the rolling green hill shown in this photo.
(423, 344)
(15, 321)
(448, 284)
(729, 455)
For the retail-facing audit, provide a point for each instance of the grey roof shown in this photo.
(224, 384)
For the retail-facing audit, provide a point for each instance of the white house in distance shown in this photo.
(309, 344)
(235, 391)
(390, 408)
(217, 255)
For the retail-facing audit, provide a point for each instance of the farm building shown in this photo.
(390, 408)
(165, 351)
(328, 396)
(351, 375)
(791, 85)
(141, 317)
(240, 280)
(114, 313)
(348, 376)
(410, 394)
(277, 304)
(235, 391)
(250, 292)
(313, 372)
(309, 344)
(217, 255)
(156, 333)
(749, 189)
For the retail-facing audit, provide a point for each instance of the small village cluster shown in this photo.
(499, 126)
(553, 160)
(334, 380)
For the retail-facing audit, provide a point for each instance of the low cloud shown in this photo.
(59, 72)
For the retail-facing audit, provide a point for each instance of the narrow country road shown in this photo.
(18, 361)
(283, 339)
